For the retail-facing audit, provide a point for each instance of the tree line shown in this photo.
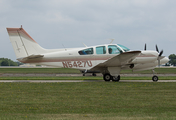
(172, 59)
(9, 62)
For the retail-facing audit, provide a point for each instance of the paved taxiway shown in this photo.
(56, 81)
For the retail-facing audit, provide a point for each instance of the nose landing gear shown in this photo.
(154, 78)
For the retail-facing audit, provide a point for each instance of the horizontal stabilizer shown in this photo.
(34, 56)
(31, 57)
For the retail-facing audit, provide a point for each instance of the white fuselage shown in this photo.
(71, 58)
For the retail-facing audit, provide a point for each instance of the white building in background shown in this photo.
(32, 65)
(27, 65)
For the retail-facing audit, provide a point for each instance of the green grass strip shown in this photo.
(90, 100)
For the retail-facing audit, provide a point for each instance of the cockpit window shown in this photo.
(101, 50)
(123, 47)
(112, 49)
(88, 51)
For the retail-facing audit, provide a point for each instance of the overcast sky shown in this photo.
(69, 23)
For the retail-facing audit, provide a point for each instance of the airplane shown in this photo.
(108, 59)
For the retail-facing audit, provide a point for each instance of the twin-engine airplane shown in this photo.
(108, 59)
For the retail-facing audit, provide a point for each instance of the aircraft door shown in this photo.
(113, 49)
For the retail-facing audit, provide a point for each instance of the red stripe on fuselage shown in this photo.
(37, 60)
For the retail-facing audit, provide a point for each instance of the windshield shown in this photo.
(124, 48)
(112, 49)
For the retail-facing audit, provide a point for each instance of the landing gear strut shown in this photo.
(107, 77)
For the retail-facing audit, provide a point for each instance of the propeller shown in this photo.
(160, 53)
(159, 56)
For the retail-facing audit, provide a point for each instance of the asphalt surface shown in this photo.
(56, 81)
(88, 74)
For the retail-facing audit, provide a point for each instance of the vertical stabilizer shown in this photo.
(23, 44)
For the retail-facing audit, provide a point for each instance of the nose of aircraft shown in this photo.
(164, 60)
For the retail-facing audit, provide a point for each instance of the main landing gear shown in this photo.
(107, 77)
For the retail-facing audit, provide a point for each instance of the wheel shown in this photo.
(155, 78)
(93, 74)
(107, 77)
(84, 74)
(116, 78)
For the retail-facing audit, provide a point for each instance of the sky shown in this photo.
(70, 23)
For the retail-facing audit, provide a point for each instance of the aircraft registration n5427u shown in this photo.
(108, 59)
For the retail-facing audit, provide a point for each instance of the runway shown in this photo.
(65, 81)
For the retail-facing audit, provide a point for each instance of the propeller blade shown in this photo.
(157, 49)
(145, 47)
(161, 53)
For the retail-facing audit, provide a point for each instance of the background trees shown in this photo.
(8, 62)
(172, 60)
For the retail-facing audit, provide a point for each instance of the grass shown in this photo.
(74, 71)
(89, 100)
(100, 100)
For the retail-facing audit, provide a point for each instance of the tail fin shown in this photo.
(23, 44)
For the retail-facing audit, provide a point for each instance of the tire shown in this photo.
(116, 78)
(107, 77)
(155, 78)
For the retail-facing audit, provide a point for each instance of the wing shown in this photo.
(118, 60)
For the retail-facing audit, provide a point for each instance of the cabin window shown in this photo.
(101, 50)
(112, 49)
(88, 51)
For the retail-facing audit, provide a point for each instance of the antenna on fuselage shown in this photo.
(21, 27)
(84, 44)
(111, 40)
(64, 47)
